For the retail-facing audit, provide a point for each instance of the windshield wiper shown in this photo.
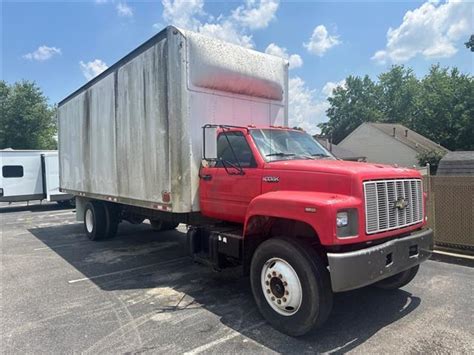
(320, 155)
(280, 154)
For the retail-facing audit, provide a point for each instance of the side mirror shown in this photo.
(209, 150)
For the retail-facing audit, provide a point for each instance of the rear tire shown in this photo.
(95, 221)
(160, 225)
(291, 286)
(399, 280)
(112, 215)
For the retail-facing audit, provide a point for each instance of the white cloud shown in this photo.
(256, 14)
(158, 26)
(432, 30)
(190, 15)
(306, 109)
(227, 31)
(329, 87)
(93, 68)
(321, 41)
(43, 53)
(294, 59)
(183, 13)
(123, 10)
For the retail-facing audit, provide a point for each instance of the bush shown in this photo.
(431, 157)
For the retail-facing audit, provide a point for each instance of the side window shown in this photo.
(12, 171)
(243, 153)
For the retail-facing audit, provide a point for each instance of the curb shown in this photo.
(452, 258)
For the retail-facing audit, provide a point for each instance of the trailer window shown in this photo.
(12, 171)
(243, 153)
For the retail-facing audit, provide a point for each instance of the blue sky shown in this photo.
(62, 44)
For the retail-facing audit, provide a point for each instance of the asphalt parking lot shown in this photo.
(139, 293)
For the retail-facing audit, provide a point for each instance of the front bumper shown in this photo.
(363, 267)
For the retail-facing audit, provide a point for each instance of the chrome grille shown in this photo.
(381, 198)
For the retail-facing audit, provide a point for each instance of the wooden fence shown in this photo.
(450, 210)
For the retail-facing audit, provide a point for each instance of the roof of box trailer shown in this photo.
(143, 47)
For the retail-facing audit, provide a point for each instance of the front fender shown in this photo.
(317, 209)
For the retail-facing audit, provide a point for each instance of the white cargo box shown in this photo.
(134, 132)
(28, 175)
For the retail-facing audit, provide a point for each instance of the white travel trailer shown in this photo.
(30, 175)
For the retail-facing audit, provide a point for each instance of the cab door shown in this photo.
(227, 188)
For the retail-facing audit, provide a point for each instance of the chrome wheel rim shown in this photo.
(89, 221)
(281, 286)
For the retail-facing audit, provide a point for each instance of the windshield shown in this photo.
(276, 144)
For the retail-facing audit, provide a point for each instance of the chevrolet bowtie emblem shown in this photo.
(401, 203)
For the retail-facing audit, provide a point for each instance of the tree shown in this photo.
(398, 90)
(440, 106)
(445, 108)
(351, 105)
(27, 121)
(470, 43)
(431, 157)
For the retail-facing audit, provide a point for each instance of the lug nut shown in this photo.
(274, 273)
(279, 302)
(273, 298)
(280, 276)
(269, 276)
(268, 290)
(284, 299)
(285, 283)
(287, 293)
(267, 283)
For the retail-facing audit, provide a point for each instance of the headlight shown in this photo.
(347, 223)
(342, 219)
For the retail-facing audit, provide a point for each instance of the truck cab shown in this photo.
(295, 207)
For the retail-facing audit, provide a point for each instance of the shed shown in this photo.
(457, 163)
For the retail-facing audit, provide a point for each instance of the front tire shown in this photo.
(291, 286)
(399, 280)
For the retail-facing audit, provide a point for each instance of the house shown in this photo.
(389, 143)
(457, 163)
(337, 151)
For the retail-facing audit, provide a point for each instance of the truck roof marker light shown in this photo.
(310, 209)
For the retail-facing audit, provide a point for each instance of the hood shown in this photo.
(364, 171)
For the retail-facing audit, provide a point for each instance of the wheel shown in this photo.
(95, 221)
(192, 241)
(291, 286)
(399, 280)
(112, 216)
(160, 225)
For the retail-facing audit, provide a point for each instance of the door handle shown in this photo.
(206, 177)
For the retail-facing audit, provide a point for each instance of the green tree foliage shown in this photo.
(431, 157)
(350, 106)
(470, 44)
(26, 119)
(439, 106)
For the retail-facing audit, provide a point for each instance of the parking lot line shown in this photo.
(57, 246)
(232, 335)
(129, 270)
